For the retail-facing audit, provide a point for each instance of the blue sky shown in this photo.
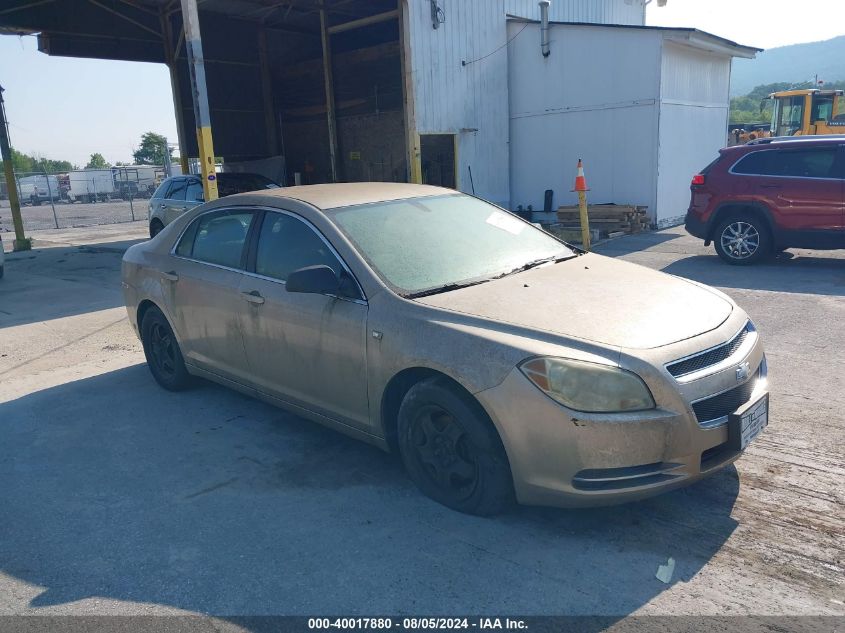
(65, 108)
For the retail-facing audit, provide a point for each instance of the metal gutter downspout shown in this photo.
(544, 27)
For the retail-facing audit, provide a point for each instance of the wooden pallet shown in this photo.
(607, 218)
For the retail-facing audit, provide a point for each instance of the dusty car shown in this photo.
(501, 363)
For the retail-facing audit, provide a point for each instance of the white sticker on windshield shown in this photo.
(506, 223)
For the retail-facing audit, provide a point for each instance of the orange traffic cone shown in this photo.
(580, 181)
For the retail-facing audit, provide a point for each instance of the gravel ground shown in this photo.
(120, 498)
(73, 215)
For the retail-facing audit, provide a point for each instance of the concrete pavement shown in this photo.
(120, 498)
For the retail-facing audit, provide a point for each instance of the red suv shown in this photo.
(769, 195)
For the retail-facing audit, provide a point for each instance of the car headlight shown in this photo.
(588, 387)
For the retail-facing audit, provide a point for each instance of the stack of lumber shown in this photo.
(610, 220)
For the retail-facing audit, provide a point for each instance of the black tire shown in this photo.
(452, 451)
(155, 227)
(742, 239)
(161, 349)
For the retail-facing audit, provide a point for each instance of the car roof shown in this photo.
(334, 195)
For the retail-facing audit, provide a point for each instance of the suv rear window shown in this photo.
(804, 163)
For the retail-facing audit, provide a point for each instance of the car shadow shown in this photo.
(636, 242)
(212, 502)
(789, 272)
(54, 282)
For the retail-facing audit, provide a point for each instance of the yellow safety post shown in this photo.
(21, 242)
(193, 44)
(581, 188)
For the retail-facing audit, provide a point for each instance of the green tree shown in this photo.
(151, 151)
(23, 163)
(97, 162)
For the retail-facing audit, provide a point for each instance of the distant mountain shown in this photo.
(799, 62)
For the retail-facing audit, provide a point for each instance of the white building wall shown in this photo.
(593, 11)
(693, 122)
(472, 100)
(595, 97)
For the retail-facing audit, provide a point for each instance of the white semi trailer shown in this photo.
(90, 185)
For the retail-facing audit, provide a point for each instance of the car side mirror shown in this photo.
(320, 280)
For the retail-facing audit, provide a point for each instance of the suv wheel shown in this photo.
(742, 239)
(155, 227)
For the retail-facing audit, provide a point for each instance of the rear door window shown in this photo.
(804, 163)
(810, 163)
(177, 189)
(217, 238)
(194, 192)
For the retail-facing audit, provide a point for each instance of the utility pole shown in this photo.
(20, 243)
(196, 65)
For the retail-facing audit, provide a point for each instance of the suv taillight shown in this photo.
(698, 179)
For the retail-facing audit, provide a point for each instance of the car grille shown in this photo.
(725, 403)
(711, 356)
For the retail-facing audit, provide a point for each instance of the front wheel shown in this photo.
(162, 352)
(743, 239)
(452, 451)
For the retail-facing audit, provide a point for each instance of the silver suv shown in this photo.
(178, 194)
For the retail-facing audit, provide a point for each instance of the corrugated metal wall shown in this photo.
(693, 118)
(595, 11)
(471, 100)
(595, 97)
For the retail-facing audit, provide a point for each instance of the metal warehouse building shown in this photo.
(451, 92)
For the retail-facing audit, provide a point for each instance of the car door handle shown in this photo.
(253, 297)
(170, 276)
(770, 186)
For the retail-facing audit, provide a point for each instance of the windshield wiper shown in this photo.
(444, 288)
(535, 263)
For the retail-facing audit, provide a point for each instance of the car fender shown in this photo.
(761, 208)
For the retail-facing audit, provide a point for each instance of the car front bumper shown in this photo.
(564, 458)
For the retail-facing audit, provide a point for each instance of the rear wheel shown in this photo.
(742, 239)
(161, 349)
(155, 227)
(451, 450)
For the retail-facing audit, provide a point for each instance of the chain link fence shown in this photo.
(80, 197)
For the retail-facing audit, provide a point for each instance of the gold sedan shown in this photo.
(503, 364)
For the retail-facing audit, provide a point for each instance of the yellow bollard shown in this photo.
(581, 188)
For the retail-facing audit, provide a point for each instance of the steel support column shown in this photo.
(21, 243)
(329, 81)
(267, 95)
(193, 44)
(412, 138)
(175, 88)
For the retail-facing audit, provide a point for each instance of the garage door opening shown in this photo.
(437, 154)
(366, 73)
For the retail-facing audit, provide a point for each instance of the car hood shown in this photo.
(595, 298)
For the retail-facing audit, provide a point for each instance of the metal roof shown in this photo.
(696, 37)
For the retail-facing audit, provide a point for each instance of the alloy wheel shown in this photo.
(740, 240)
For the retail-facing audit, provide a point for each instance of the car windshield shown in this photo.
(229, 184)
(434, 244)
